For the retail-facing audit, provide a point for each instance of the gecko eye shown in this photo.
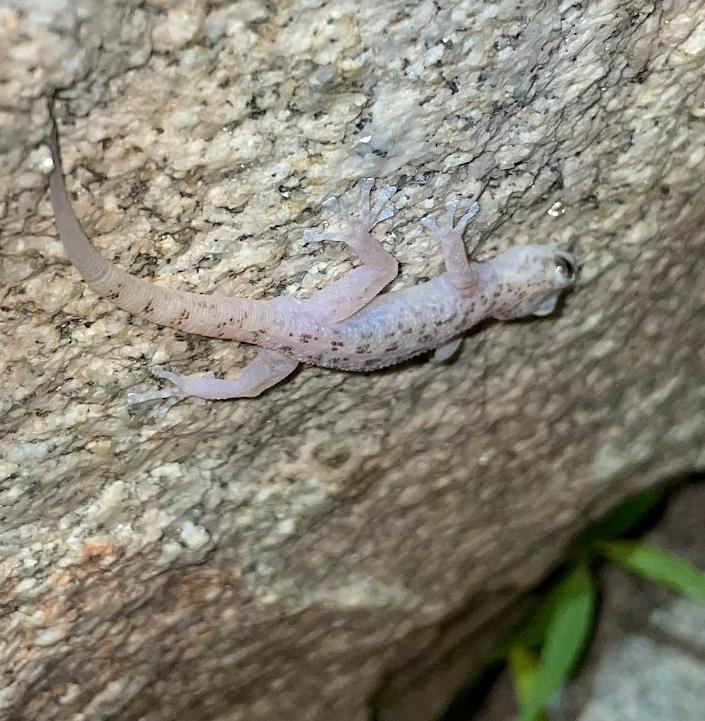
(565, 267)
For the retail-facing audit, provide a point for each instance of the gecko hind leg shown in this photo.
(265, 370)
(459, 267)
(358, 287)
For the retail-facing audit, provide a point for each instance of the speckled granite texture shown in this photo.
(297, 556)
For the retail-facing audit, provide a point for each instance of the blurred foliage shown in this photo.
(543, 654)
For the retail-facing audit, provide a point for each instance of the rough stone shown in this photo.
(639, 681)
(305, 550)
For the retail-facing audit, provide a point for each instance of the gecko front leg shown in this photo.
(460, 270)
(446, 351)
(358, 287)
(267, 369)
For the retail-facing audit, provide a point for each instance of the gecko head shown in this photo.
(530, 279)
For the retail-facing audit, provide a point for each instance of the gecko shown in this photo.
(347, 325)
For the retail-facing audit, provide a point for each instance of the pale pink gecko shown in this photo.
(343, 326)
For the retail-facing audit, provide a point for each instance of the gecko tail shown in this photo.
(89, 262)
(215, 316)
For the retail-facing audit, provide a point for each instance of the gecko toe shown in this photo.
(133, 398)
(380, 211)
(365, 187)
(159, 372)
(470, 213)
(449, 226)
(430, 224)
(170, 396)
(311, 236)
(163, 409)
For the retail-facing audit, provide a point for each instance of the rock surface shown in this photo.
(639, 681)
(305, 550)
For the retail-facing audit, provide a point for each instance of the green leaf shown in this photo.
(622, 519)
(522, 668)
(658, 566)
(566, 636)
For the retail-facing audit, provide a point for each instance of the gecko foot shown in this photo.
(358, 287)
(460, 270)
(370, 214)
(185, 388)
(265, 370)
(450, 227)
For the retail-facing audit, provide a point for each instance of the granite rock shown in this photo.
(306, 550)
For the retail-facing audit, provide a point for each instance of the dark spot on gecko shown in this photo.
(304, 337)
(393, 347)
(363, 348)
(149, 307)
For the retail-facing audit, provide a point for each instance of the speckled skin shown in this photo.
(345, 326)
(402, 324)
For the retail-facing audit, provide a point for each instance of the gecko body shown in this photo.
(347, 325)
